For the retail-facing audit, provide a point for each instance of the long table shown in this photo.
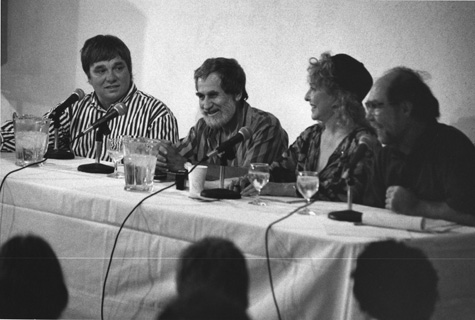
(312, 257)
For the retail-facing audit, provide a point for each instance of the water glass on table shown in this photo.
(307, 185)
(115, 150)
(140, 158)
(31, 139)
(259, 176)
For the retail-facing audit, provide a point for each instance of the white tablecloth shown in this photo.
(79, 214)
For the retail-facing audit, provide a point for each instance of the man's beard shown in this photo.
(219, 121)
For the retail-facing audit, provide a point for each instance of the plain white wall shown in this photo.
(272, 40)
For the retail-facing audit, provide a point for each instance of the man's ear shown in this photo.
(238, 97)
(406, 108)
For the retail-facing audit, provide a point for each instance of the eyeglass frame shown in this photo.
(375, 107)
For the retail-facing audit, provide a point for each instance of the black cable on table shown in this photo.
(117, 238)
(21, 168)
(267, 253)
(115, 244)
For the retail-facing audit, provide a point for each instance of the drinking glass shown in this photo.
(140, 158)
(31, 138)
(115, 150)
(259, 176)
(307, 184)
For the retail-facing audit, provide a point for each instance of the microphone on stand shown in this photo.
(117, 110)
(220, 193)
(55, 153)
(102, 129)
(350, 215)
(77, 95)
(364, 144)
(243, 134)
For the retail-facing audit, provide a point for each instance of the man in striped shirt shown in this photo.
(107, 63)
(220, 85)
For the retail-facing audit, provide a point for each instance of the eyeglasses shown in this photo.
(375, 107)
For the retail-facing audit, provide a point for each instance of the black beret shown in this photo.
(352, 75)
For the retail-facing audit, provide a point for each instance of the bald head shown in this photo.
(402, 84)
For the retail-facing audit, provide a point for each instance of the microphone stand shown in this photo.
(98, 167)
(349, 214)
(55, 153)
(221, 193)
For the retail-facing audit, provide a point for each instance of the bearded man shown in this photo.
(221, 90)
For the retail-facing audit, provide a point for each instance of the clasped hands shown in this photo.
(401, 200)
(168, 158)
(243, 186)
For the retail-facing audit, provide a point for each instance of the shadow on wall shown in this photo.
(42, 52)
(467, 126)
(43, 42)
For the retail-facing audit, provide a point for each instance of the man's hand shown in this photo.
(245, 187)
(401, 200)
(239, 184)
(168, 159)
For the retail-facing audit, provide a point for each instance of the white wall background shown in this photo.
(272, 40)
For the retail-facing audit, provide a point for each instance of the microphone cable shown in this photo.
(118, 233)
(268, 257)
(21, 168)
(5, 178)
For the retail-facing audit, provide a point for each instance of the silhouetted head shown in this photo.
(393, 281)
(203, 305)
(31, 280)
(216, 264)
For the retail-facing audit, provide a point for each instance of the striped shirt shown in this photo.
(267, 142)
(146, 117)
(304, 153)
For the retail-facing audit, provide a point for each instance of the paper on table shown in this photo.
(390, 219)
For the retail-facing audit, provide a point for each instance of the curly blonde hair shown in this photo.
(321, 73)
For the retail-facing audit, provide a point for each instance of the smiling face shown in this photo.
(323, 104)
(216, 106)
(110, 79)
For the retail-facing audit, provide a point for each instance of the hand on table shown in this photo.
(168, 158)
(245, 187)
(401, 200)
(239, 184)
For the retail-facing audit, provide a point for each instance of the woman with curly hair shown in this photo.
(338, 85)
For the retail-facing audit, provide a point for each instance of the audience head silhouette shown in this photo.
(214, 264)
(31, 280)
(203, 305)
(394, 281)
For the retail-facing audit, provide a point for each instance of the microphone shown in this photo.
(78, 94)
(117, 110)
(243, 134)
(365, 142)
(351, 215)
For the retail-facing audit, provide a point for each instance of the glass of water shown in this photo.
(31, 138)
(307, 185)
(259, 176)
(115, 150)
